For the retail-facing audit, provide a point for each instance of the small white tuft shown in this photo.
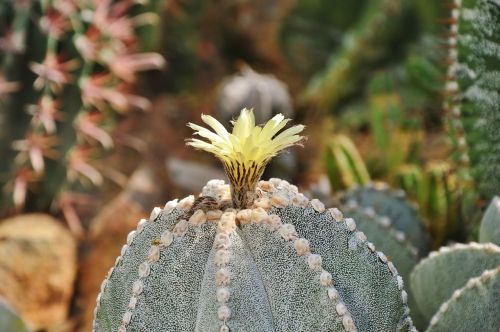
(392, 268)
(370, 246)
(404, 296)
(266, 186)
(140, 226)
(222, 277)
(325, 278)
(314, 261)
(144, 269)
(170, 205)
(213, 215)
(333, 294)
(198, 218)
(223, 294)
(123, 250)
(400, 282)
(274, 222)
(137, 287)
(318, 205)
(351, 224)
(288, 232)
(259, 215)
(227, 222)
(130, 237)
(154, 214)
(348, 323)
(300, 200)
(222, 258)
(127, 316)
(166, 238)
(262, 202)
(336, 214)
(360, 236)
(222, 241)
(244, 216)
(132, 303)
(341, 308)
(382, 256)
(154, 254)
(224, 312)
(302, 246)
(279, 201)
(180, 228)
(186, 203)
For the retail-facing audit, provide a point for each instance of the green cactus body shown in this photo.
(475, 307)
(490, 224)
(284, 264)
(473, 86)
(404, 255)
(393, 205)
(435, 278)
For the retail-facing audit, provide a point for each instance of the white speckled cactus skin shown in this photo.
(286, 264)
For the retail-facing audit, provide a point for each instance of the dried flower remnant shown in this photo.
(246, 151)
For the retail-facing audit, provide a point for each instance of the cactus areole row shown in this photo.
(250, 256)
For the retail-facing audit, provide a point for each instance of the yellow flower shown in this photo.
(246, 151)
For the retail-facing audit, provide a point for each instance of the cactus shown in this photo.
(435, 278)
(457, 314)
(489, 230)
(10, 320)
(472, 90)
(250, 256)
(392, 204)
(361, 48)
(344, 165)
(68, 65)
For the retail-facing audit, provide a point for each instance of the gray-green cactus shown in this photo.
(394, 243)
(475, 307)
(489, 230)
(10, 320)
(392, 204)
(472, 86)
(435, 279)
(251, 270)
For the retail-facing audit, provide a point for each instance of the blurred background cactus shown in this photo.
(67, 70)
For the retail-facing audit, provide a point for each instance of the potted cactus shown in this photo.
(250, 255)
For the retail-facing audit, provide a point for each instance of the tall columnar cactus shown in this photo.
(65, 66)
(472, 87)
(250, 256)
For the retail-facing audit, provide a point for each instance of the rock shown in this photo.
(37, 268)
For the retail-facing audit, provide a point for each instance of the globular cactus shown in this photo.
(472, 86)
(489, 230)
(250, 256)
(403, 215)
(458, 287)
(344, 164)
(380, 230)
(435, 278)
(66, 71)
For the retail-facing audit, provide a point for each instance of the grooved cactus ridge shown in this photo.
(283, 264)
(436, 277)
(458, 313)
(402, 215)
